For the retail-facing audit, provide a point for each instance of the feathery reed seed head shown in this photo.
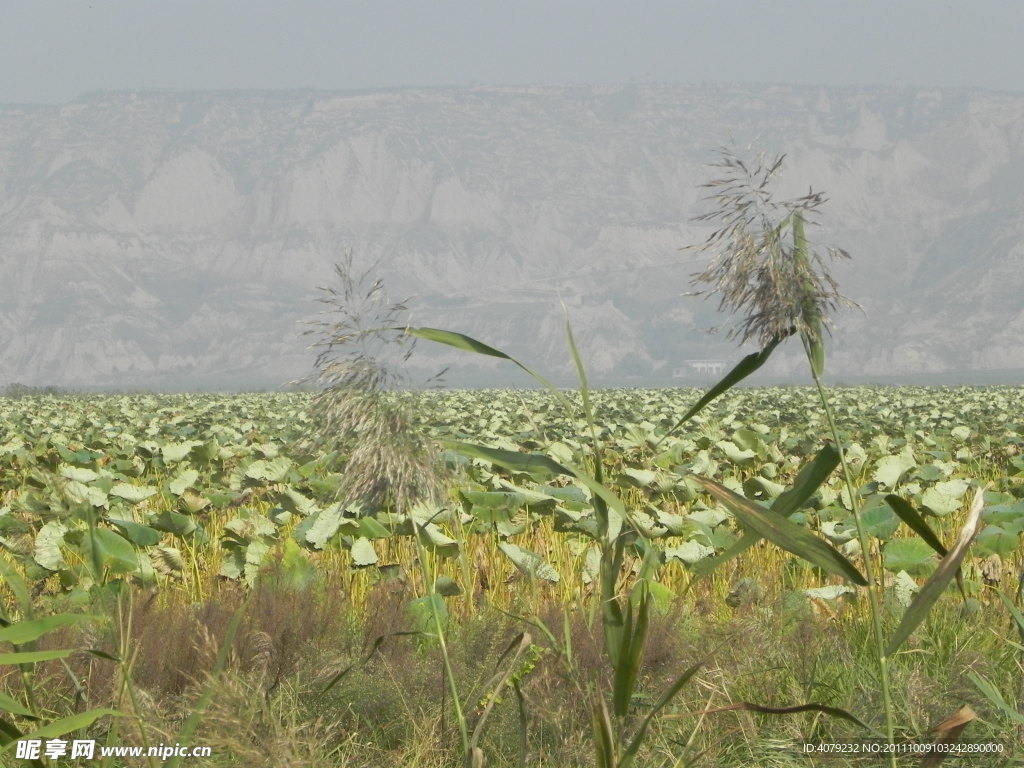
(763, 267)
(387, 461)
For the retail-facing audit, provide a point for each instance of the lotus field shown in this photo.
(189, 502)
(373, 576)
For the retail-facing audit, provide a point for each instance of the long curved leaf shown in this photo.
(906, 512)
(16, 583)
(823, 708)
(992, 693)
(604, 735)
(469, 344)
(661, 703)
(459, 340)
(69, 724)
(31, 657)
(632, 636)
(26, 631)
(781, 532)
(534, 462)
(937, 583)
(13, 706)
(808, 480)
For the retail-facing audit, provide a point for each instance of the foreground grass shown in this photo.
(270, 707)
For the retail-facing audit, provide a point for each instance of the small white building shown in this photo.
(700, 368)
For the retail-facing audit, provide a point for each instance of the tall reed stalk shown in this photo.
(766, 271)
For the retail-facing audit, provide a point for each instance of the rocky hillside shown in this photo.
(175, 240)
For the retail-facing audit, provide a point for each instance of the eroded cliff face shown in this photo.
(176, 239)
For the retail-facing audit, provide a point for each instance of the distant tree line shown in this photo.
(17, 389)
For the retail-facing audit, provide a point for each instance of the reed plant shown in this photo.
(765, 269)
(389, 466)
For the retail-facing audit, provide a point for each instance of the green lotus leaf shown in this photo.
(370, 528)
(528, 562)
(112, 550)
(184, 480)
(735, 454)
(318, 528)
(139, 535)
(710, 517)
(433, 539)
(207, 451)
(172, 522)
(48, 544)
(856, 456)
(172, 453)
(1003, 510)
(911, 555)
(81, 474)
(889, 469)
(297, 502)
(999, 539)
(232, 565)
(749, 440)
(689, 552)
(251, 526)
(640, 478)
(703, 464)
(561, 453)
(424, 613)
(571, 497)
(80, 457)
(763, 485)
(363, 553)
(944, 498)
(960, 433)
(271, 471)
(192, 502)
(494, 505)
(674, 524)
(831, 592)
(79, 493)
(839, 531)
(879, 520)
(904, 588)
(133, 493)
(591, 566)
(929, 473)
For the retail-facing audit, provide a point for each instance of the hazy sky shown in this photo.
(54, 50)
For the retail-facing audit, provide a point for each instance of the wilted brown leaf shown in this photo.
(947, 732)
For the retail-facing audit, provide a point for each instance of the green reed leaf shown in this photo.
(783, 533)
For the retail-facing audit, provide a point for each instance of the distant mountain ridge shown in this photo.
(175, 240)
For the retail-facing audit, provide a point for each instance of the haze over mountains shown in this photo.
(175, 240)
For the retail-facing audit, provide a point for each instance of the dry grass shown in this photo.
(391, 711)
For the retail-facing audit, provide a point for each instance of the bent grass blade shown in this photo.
(937, 583)
(807, 481)
(783, 533)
